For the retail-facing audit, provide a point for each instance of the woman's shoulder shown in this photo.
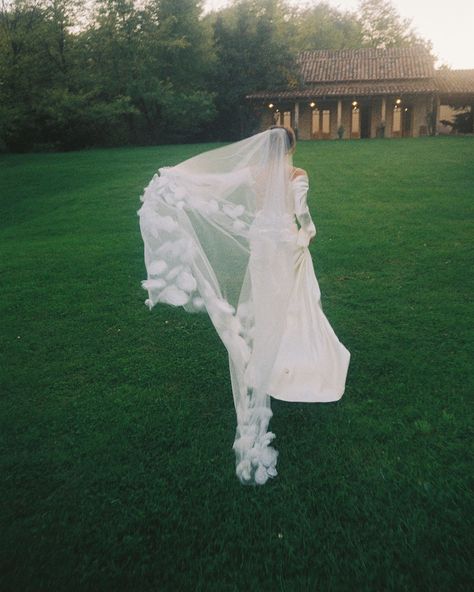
(296, 173)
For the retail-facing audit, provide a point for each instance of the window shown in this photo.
(397, 120)
(282, 118)
(326, 122)
(320, 123)
(355, 122)
(315, 122)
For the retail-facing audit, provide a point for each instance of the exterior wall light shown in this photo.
(312, 104)
(270, 105)
(398, 101)
(354, 103)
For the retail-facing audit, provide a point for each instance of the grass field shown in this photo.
(117, 423)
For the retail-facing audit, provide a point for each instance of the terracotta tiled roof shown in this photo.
(365, 64)
(359, 72)
(352, 89)
(455, 81)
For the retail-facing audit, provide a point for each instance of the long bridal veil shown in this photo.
(216, 230)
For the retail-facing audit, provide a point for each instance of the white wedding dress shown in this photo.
(312, 363)
(221, 236)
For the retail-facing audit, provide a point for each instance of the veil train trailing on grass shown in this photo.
(220, 236)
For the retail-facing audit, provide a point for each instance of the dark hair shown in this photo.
(290, 135)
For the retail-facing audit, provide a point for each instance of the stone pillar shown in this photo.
(382, 124)
(297, 118)
(436, 104)
(339, 114)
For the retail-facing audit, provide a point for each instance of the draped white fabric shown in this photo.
(220, 236)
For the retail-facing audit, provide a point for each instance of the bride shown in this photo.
(227, 232)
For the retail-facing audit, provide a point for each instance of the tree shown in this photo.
(128, 74)
(34, 58)
(252, 54)
(324, 27)
(464, 121)
(186, 54)
(156, 56)
(383, 27)
(177, 54)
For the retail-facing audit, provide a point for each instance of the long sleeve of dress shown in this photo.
(308, 229)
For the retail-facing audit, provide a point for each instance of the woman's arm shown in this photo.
(300, 188)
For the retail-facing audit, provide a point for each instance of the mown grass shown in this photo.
(117, 423)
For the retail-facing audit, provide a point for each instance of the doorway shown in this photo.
(407, 121)
(365, 117)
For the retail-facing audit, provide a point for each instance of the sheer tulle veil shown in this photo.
(215, 231)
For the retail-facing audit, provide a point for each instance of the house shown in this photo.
(365, 93)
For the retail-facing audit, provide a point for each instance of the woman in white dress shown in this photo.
(227, 232)
(312, 363)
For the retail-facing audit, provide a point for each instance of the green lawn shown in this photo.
(117, 423)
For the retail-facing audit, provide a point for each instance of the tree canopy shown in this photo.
(383, 27)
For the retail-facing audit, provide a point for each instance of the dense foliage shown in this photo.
(463, 122)
(112, 72)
